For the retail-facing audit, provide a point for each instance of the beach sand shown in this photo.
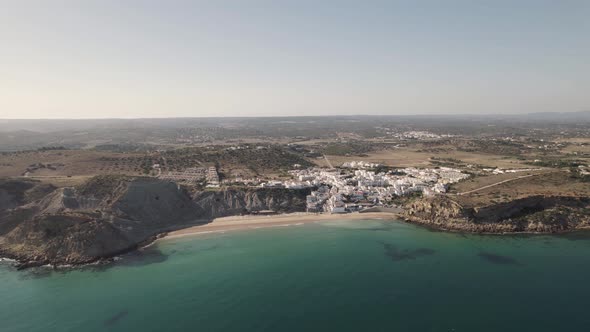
(257, 221)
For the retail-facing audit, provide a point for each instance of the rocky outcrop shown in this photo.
(543, 214)
(109, 215)
(235, 201)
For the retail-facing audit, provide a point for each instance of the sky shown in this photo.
(130, 59)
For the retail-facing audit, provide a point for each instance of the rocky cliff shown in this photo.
(238, 201)
(543, 214)
(109, 215)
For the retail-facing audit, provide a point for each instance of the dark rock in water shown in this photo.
(36, 273)
(26, 265)
(209, 248)
(498, 259)
(143, 257)
(116, 318)
(396, 254)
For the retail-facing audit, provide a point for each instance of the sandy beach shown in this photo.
(256, 221)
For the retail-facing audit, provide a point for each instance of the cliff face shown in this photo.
(233, 202)
(109, 215)
(14, 193)
(548, 214)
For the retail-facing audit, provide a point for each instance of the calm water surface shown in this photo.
(339, 275)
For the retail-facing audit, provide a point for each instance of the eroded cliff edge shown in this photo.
(534, 214)
(108, 215)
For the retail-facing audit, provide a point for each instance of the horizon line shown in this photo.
(296, 116)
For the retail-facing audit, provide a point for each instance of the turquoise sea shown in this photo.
(367, 275)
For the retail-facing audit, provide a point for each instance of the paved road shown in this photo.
(52, 176)
(495, 184)
(328, 161)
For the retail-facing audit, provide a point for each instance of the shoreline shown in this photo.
(248, 222)
(252, 222)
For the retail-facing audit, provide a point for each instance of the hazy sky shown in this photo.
(96, 59)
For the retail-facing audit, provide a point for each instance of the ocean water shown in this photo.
(367, 275)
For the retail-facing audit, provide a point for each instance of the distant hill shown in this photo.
(557, 117)
(53, 125)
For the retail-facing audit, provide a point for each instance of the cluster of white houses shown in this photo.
(346, 191)
(352, 187)
(416, 134)
(189, 175)
(212, 177)
(360, 164)
(192, 175)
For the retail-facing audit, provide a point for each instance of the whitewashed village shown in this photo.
(352, 187)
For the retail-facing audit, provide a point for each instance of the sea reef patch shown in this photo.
(396, 254)
(498, 259)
